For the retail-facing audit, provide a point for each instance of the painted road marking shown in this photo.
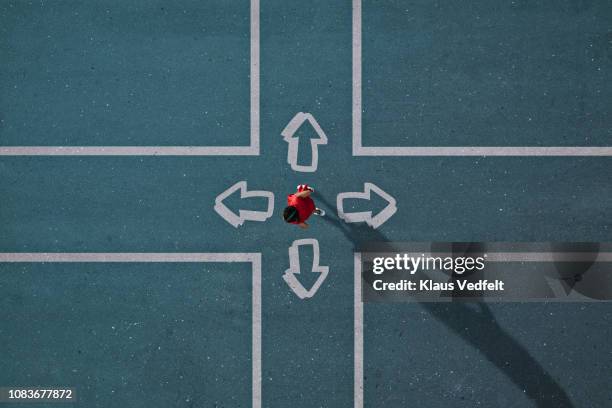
(543, 257)
(243, 215)
(253, 258)
(255, 74)
(251, 150)
(366, 216)
(294, 268)
(128, 151)
(293, 142)
(358, 349)
(483, 151)
(360, 150)
(358, 334)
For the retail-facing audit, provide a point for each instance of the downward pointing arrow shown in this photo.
(292, 151)
(366, 216)
(243, 215)
(294, 268)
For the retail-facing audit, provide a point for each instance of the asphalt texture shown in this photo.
(126, 73)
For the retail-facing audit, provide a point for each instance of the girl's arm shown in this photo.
(303, 194)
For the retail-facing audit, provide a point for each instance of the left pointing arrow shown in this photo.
(243, 215)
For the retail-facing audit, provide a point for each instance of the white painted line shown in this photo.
(483, 151)
(360, 150)
(253, 258)
(251, 150)
(549, 256)
(358, 335)
(356, 77)
(128, 151)
(127, 257)
(526, 256)
(256, 331)
(255, 77)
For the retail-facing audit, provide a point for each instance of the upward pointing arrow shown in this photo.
(292, 151)
(366, 216)
(243, 215)
(294, 268)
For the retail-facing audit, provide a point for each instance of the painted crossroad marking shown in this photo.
(251, 150)
(358, 316)
(243, 215)
(358, 334)
(293, 141)
(360, 150)
(169, 257)
(373, 221)
(290, 275)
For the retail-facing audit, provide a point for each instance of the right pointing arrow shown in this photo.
(294, 268)
(243, 215)
(373, 221)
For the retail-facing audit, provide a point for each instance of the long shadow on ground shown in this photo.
(478, 327)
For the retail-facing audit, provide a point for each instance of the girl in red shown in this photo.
(300, 206)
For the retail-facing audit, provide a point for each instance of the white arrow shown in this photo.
(366, 216)
(294, 268)
(292, 151)
(243, 215)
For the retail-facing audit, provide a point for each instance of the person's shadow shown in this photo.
(477, 326)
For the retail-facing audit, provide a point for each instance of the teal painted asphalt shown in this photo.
(139, 335)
